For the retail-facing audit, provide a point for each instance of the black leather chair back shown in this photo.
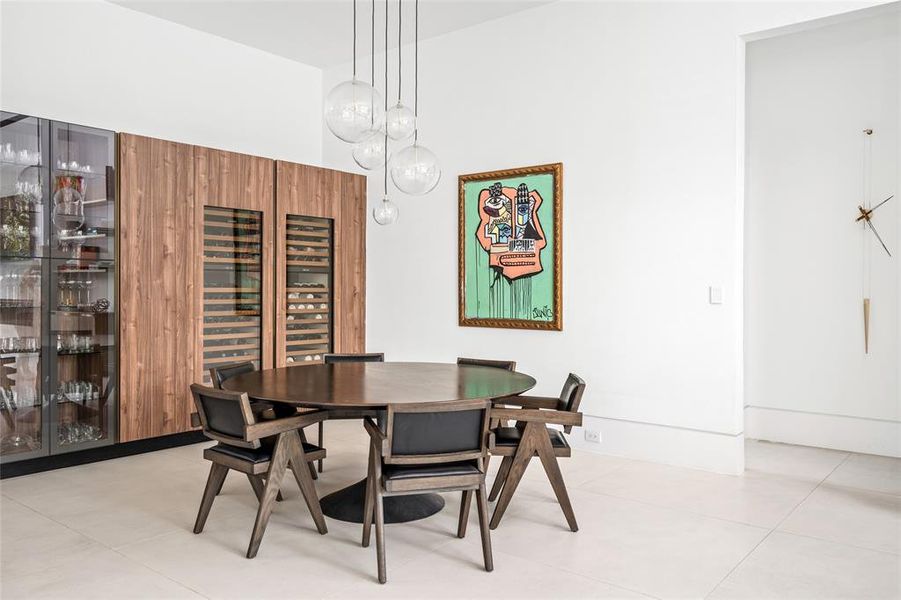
(220, 374)
(224, 415)
(571, 396)
(454, 430)
(509, 365)
(365, 357)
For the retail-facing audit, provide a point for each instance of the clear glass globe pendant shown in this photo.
(385, 213)
(415, 170)
(372, 152)
(400, 122)
(353, 111)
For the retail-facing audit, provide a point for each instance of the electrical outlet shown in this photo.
(593, 436)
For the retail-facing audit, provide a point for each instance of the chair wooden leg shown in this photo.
(277, 465)
(500, 477)
(369, 499)
(380, 532)
(305, 480)
(213, 483)
(258, 485)
(483, 528)
(321, 442)
(311, 466)
(221, 483)
(552, 468)
(464, 513)
(520, 461)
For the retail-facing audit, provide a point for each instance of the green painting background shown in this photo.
(479, 275)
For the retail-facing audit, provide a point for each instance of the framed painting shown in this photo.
(510, 267)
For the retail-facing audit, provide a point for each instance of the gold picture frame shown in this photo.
(505, 279)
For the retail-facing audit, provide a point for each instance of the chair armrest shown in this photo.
(276, 426)
(528, 401)
(195, 419)
(379, 439)
(491, 439)
(527, 415)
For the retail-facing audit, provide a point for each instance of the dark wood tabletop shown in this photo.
(378, 384)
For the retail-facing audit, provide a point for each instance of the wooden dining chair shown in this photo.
(341, 415)
(532, 437)
(507, 365)
(227, 418)
(432, 447)
(262, 409)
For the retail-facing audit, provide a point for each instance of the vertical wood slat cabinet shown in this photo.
(158, 327)
(202, 251)
(234, 214)
(320, 263)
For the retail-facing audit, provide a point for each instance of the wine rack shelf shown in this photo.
(307, 321)
(232, 293)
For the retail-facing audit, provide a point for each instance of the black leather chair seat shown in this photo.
(468, 467)
(511, 436)
(258, 455)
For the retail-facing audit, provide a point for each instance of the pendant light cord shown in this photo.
(400, 70)
(385, 178)
(355, 39)
(372, 47)
(416, 74)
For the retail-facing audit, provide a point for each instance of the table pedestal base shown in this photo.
(347, 505)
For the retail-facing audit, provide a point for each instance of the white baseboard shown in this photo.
(705, 450)
(853, 434)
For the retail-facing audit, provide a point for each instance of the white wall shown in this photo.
(103, 65)
(643, 103)
(810, 95)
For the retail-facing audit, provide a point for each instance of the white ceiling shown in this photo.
(318, 32)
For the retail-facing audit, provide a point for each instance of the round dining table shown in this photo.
(363, 389)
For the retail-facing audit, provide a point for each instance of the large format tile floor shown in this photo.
(800, 523)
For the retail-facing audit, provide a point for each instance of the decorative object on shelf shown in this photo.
(353, 109)
(510, 236)
(68, 209)
(865, 216)
(100, 306)
(10, 401)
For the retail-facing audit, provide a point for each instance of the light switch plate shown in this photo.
(715, 294)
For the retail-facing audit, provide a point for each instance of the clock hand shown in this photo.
(878, 237)
(881, 203)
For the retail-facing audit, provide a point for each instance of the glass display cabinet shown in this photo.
(308, 286)
(57, 287)
(232, 287)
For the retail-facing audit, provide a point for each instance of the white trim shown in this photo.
(692, 448)
(839, 432)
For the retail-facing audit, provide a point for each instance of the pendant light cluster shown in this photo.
(358, 114)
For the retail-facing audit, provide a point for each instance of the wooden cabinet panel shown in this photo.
(315, 192)
(167, 191)
(158, 325)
